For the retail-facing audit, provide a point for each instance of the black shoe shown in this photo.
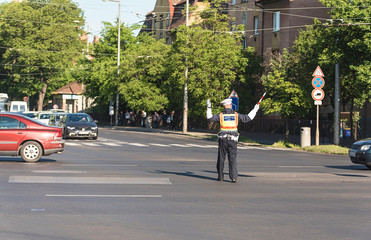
(220, 179)
(234, 181)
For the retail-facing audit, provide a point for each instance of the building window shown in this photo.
(276, 21)
(154, 24)
(161, 22)
(233, 2)
(244, 19)
(256, 25)
(168, 20)
(244, 0)
(160, 35)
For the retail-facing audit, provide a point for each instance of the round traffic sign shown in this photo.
(318, 94)
(318, 82)
(25, 99)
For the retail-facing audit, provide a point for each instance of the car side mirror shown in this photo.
(96, 121)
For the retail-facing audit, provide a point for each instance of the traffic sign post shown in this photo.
(234, 98)
(318, 94)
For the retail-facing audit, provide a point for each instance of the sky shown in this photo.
(97, 11)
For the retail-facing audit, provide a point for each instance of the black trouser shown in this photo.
(227, 147)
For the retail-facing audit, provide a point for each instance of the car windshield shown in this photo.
(79, 118)
(44, 116)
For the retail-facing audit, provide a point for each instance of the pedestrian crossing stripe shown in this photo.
(107, 142)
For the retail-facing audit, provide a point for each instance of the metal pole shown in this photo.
(118, 68)
(337, 106)
(185, 100)
(317, 127)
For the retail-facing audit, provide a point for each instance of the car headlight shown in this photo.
(365, 147)
(70, 128)
(94, 128)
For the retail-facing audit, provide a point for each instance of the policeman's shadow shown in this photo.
(226, 174)
(185, 174)
(193, 175)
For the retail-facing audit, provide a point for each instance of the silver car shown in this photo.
(360, 152)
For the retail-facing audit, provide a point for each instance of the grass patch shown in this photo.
(334, 149)
(285, 144)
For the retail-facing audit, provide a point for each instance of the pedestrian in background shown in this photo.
(143, 117)
(164, 120)
(228, 135)
(127, 118)
(155, 119)
(171, 121)
(121, 119)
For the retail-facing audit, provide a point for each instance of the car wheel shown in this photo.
(369, 166)
(31, 151)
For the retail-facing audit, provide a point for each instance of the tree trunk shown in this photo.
(287, 132)
(40, 102)
(351, 119)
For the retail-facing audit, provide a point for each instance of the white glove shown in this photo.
(253, 112)
(208, 103)
(209, 114)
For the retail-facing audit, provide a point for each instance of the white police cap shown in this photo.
(227, 101)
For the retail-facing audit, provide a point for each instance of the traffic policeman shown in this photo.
(228, 135)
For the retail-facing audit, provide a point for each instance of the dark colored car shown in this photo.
(20, 135)
(360, 152)
(79, 125)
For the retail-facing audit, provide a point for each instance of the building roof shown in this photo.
(73, 88)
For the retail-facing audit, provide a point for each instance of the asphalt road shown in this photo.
(156, 186)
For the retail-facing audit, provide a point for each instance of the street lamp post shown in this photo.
(185, 100)
(118, 60)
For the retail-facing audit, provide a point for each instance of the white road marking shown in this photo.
(179, 145)
(137, 144)
(104, 196)
(111, 144)
(72, 144)
(195, 145)
(89, 180)
(159, 145)
(91, 144)
(57, 171)
(98, 165)
(251, 147)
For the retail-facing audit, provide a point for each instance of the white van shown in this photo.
(18, 106)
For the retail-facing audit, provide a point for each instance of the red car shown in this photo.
(20, 135)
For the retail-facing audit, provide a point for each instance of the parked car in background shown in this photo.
(56, 118)
(44, 117)
(20, 135)
(79, 125)
(31, 114)
(360, 152)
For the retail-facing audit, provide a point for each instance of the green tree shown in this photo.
(39, 43)
(213, 56)
(141, 70)
(286, 95)
(346, 40)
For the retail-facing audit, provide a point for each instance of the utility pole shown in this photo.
(185, 100)
(118, 61)
(337, 106)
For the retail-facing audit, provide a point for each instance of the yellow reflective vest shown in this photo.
(229, 122)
